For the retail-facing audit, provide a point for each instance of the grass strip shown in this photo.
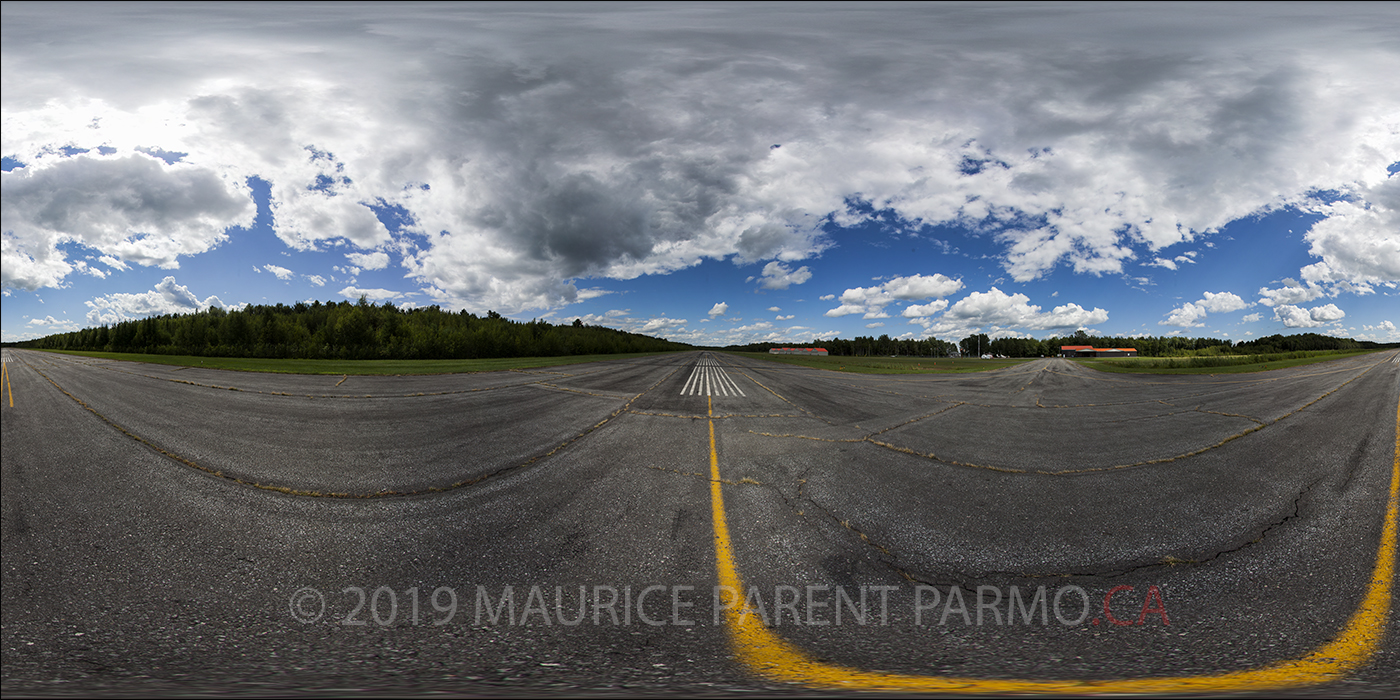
(887, 365)
(353, 367)
(1217, 364)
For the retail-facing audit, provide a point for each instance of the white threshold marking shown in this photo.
(709, 379)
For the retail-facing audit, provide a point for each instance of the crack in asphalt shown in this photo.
(290, 491)
(958, 578)
(744, 481)
(697, 416)
(801, 502)
(106, 366)
(1259, 425)
(769, 390)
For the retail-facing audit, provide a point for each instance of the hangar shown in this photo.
(1091, 351)
(797, 351)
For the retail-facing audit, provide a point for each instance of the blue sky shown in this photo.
(712, 173)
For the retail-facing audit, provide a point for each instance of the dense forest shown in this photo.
(346, 331)
(1155, 346)
(365, 331)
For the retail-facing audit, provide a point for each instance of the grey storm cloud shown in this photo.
(532, 149)
(132, 207)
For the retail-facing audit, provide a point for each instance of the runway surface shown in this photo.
(1039, 528)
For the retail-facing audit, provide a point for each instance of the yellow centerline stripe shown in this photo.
(9, 383)
(768, 655)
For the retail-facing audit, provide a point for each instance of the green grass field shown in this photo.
(1216, 364)
(251, 364)
(887, 365)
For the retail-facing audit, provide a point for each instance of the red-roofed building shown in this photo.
(797, 351)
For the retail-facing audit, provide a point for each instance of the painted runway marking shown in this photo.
(5, 381)
(709, 379)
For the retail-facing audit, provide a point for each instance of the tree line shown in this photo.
(346, 331)
(1151, 346)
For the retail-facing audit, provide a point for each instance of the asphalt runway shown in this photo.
(592, 529)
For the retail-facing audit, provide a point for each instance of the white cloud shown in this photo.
(1292, 292)
(369, 261)
(82, 267)
(921, 287)
(718, 309)
(1383, 332)
(1187, 258)
(1185, 316)
(593, 293)
(306, 219)
(845, 310)
(1296, 317)
(660, 325)
(779, 276)
(872, 300)
(168, 297)
(1359, 241)
(612, 144)
(827, 297)
(995, 307)
(877, 324)
(1189, 314)
(317, 280)
(1005, 333)
(1223, 302)
(788, 317)
(774, 308)
(1326, 313)
(45, 326)
(1251, 318)
(913, 311)
(282, 273)
(759, 326)
(370, 294)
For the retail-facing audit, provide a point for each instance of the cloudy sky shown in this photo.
(712, 173)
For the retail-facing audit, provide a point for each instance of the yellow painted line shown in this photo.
(9, 383)
(771, 657)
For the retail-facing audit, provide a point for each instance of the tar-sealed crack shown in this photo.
(960, 578)
(344, 495)
(801, 504)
